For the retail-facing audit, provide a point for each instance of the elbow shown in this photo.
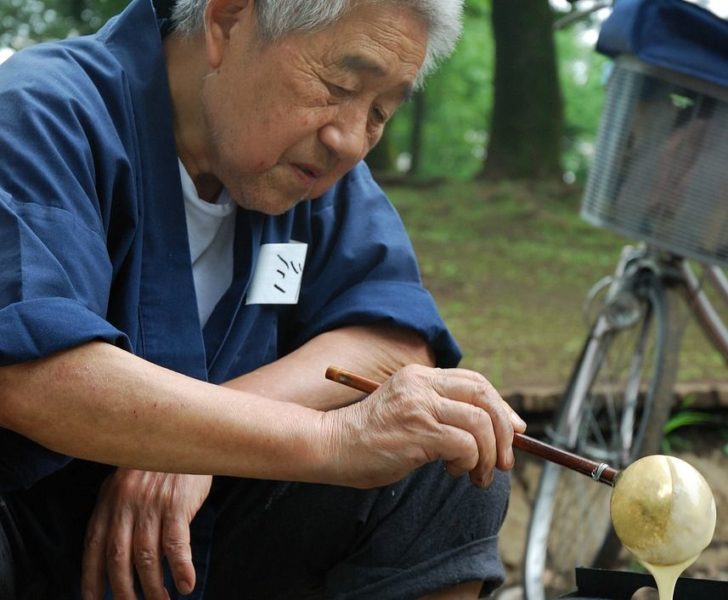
(10, 404)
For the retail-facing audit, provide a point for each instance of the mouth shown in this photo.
(308, 174)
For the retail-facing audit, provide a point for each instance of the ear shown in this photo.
(220, 18)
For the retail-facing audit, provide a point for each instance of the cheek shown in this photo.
(304, 118)
(292, 128)
(377, 135)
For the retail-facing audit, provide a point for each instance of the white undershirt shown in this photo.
(211, 232)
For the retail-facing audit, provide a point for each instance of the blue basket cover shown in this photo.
(672, 34)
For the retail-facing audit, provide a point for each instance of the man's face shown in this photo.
(284, 121)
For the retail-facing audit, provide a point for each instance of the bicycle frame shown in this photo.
(704, 310)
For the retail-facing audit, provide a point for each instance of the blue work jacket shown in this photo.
(93, 237)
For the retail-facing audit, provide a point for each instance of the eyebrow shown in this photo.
(362, 64)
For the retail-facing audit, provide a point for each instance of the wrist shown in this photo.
(330, 448)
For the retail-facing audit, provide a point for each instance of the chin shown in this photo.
(269, 206)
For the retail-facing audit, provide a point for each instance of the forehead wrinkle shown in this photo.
(361, 64)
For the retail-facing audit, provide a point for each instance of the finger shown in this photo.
(146, 555)
(518, 423)
(457, 448)
(118, 555)
(93, 563)
(178, 551)
(471, 388)
(478, 424)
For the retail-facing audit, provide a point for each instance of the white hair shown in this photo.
(277, 18)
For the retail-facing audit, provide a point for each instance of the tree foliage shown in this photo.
(23, 22)
(457, 101)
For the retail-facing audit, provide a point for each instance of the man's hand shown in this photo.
(140, 518)
(418, 416)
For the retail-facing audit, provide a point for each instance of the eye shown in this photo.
(336, 90)
(379, 115)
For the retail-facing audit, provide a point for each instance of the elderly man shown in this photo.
(188, 238)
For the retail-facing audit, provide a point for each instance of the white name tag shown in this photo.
(278, 274)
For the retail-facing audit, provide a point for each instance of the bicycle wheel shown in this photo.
(614, 410)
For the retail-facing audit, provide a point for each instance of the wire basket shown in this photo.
(660, 171)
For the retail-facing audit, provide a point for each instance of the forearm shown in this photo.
(103, 404)
(374, 351)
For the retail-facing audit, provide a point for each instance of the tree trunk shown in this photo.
(527, 118)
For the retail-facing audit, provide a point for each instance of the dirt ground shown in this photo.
(704, 452)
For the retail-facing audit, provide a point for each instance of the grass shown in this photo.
(509, 265)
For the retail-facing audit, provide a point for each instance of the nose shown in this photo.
(346, 135)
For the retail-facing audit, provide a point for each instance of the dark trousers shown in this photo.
(45, 527)
(268, 540)
(7, 554)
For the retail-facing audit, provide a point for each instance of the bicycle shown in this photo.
(657, 176)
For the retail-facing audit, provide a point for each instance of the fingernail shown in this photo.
(484, 481)
(517, 421)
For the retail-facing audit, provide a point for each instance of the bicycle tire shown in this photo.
(570, 522)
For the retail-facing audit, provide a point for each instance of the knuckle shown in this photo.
(464, 444)
(176, 549)
(485, 421)
(146, 559)
(484, 389)
(422, 375)
(477, 419)
(116, 553)
(413, 369)
(407, 375)
(479, 415)
(480, 379)
(93, 540)
(125, 487)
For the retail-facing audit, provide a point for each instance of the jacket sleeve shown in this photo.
(56, 272)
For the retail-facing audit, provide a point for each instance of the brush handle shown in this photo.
(598, 471)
